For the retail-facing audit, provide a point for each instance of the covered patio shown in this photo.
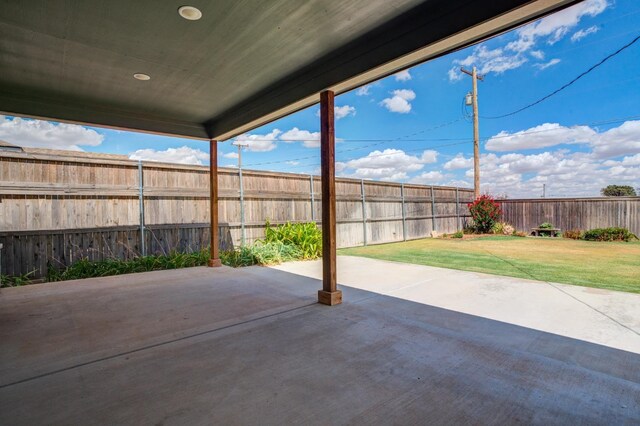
(252, 346)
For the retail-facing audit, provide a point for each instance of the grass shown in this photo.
(611, 265)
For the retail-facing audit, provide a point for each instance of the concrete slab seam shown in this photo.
(155, 345)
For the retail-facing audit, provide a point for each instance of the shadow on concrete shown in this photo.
(251, 346)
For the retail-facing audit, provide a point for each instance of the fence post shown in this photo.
(404, 214)
(141, 199)
(364, 212)
(433, 209)
(313, 201)
(458, 210)
(242, 230)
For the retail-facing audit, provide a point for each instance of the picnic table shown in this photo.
(538, 232)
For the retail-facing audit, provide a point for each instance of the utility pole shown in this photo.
(476, 131)
(544, 190)
(243, 233)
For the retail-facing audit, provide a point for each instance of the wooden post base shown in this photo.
(330, 298)
(215, 263)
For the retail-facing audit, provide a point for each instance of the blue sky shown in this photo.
(413, 127)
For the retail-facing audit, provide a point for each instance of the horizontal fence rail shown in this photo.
(57, 207)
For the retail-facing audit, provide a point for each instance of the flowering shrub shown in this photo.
(485, 213)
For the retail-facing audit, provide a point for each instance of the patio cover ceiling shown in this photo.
(245, 63)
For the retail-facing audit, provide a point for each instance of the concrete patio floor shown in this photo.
(251, 346)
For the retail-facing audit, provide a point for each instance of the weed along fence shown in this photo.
(57, 207)
(574, 213)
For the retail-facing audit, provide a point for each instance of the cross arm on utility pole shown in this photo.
(470, 73)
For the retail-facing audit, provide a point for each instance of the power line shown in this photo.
(593, 67)
(461, 142)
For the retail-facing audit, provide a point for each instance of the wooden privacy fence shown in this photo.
(57, 207)
(574, 213)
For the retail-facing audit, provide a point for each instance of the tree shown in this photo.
(618, 191)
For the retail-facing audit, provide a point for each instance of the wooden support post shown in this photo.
(329, 295)
(214, 257)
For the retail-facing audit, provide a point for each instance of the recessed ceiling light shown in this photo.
(141, 76)
(189, 12)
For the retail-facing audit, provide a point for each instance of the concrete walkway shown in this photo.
(207, 346)
(609, 318)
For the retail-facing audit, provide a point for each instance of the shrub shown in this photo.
(519, 234)
(485, 213)
(546, 225)
(608, 234)
(573, 234)
(306, 237)
(15, 280)
(84, 268)
(457, 234)
(502, 228)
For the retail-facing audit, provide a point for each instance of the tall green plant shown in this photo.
(306, 237)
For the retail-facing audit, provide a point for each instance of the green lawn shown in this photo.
(614, 266)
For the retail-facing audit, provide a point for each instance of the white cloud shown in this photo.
(542, 136)
(44, 134)
(403, 75)
(259, 143)
(633, 160)
(307, 138)
(230, 155)
(400, 101)
(580, 34)
(622, 140)
(429, 156)
(390, 164)
(344, 111)
(546, 65)
(428, 178)
(292, 163)
(538, 54)
(554, 27)
(458, 162)
(182, 155)
(550, 29)
(364, 90)
(487, 61)
(564, 173)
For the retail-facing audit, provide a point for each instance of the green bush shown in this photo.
(84, 268)
(546, 225)
(608, 234)
(15, 280)
(306, 237)
(485, 213)
(573, 234)
(457, 234)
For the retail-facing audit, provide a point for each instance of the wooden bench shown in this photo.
(538, 232)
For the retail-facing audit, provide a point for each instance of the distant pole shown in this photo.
(476, 130)
(243, 232)
(544, 190)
